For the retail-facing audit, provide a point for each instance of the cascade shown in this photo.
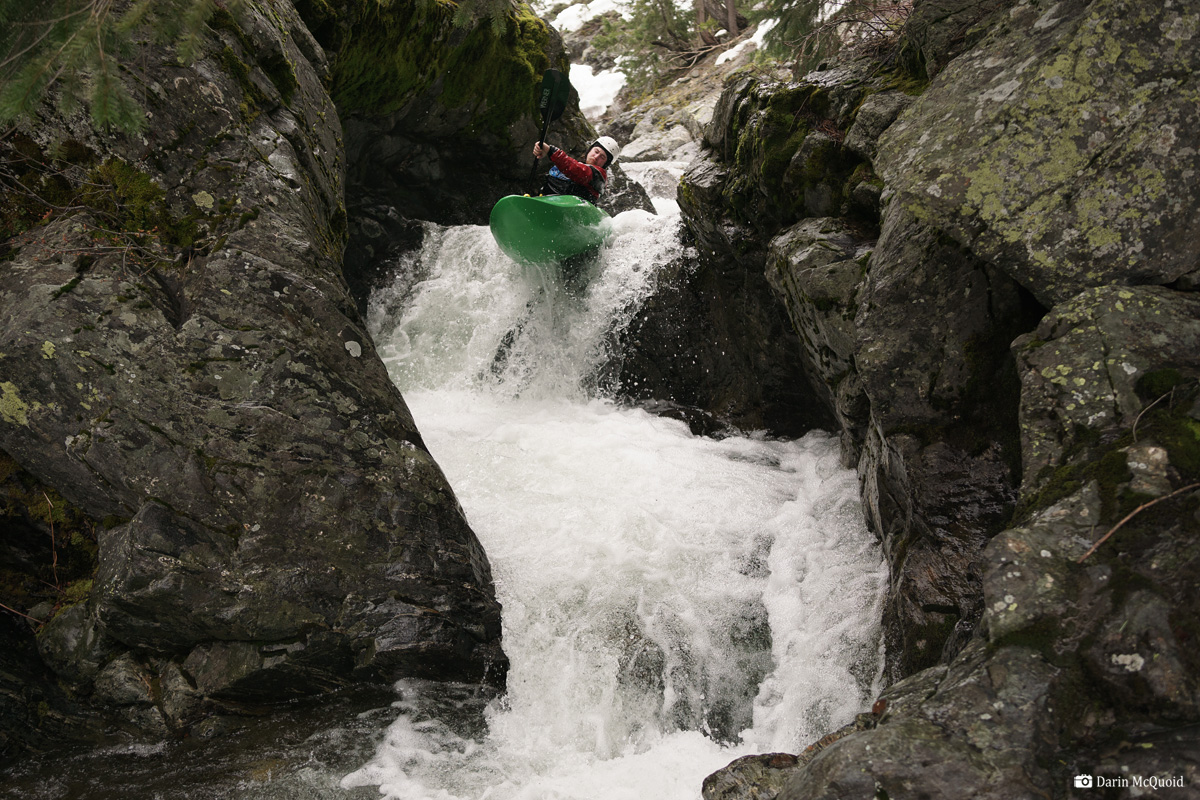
(670, 601)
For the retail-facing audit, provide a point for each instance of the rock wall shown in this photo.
(186, 381)
(987, 252)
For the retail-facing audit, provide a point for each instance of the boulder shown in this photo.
(1089, 366)
(1063, 146)
(183, 362)
(658, 145)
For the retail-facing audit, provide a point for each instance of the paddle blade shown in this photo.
(556, 90)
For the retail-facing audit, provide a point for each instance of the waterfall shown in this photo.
(671, 602)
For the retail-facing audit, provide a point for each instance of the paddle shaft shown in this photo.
(552, 104)
(541, 140)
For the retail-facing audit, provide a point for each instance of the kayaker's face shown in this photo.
(596, 157)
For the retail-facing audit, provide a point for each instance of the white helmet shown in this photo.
(609, 146)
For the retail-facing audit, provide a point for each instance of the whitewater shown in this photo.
(671, 601)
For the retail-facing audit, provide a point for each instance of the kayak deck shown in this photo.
(546, 230)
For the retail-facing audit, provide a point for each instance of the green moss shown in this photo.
(253, 99)
(50, 544)
(1180, 435)
(1110, 470)
(134, 211)
(281, 73)
(1157, 383)
(77, 592)
(124, 192)
(863, 173)
(911, 80)
(276, 66)
(247, 217)
(769, 126)
(1092, 458)
(223, 21)
(412, 46)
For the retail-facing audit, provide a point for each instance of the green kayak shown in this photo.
(546, 230)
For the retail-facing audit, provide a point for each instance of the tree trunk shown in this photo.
(718, 10)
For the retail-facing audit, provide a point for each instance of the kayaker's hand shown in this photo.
(540, 149)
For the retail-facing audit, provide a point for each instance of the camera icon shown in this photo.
(1083, 781)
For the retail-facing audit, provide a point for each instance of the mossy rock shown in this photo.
(50, 548)
(1064, 201)
(416, 48)
(784, 150)
(1076, 405)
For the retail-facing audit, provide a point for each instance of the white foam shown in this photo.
(671, 602)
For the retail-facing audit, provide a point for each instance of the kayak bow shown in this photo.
(546, 230)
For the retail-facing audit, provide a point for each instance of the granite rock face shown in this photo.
(269, 522)
(1007, 344)
(1063, 146)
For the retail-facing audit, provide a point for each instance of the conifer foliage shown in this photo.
(77, 50)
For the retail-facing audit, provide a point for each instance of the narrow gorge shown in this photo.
(279, 432)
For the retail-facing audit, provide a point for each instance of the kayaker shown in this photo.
(585, 178)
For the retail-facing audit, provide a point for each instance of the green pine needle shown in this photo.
(80, 45)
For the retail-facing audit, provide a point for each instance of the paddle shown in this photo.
(553, 102)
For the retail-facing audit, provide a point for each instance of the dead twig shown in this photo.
(53, 544)
(1133, 514)
(19, 614)
(1147, 408)
(865, 25)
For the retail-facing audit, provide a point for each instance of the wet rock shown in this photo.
(379, 239)
(940, 459)
(276, 525)
(816, 268)
(966, 731)
(998, 151)
(1081, 368)
(124, 682)
(716, 342)
(750, 778)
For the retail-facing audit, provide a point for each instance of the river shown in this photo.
(671, 602)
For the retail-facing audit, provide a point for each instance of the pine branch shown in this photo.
(79, 44)
(50, 26)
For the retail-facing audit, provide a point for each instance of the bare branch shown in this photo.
(1147, 408)
(19, 614)
(1133, 514)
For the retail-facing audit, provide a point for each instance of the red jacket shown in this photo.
(589, 181)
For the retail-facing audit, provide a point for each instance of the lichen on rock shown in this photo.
(1063, 145)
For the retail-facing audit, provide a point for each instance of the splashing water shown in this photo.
(671, 602)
